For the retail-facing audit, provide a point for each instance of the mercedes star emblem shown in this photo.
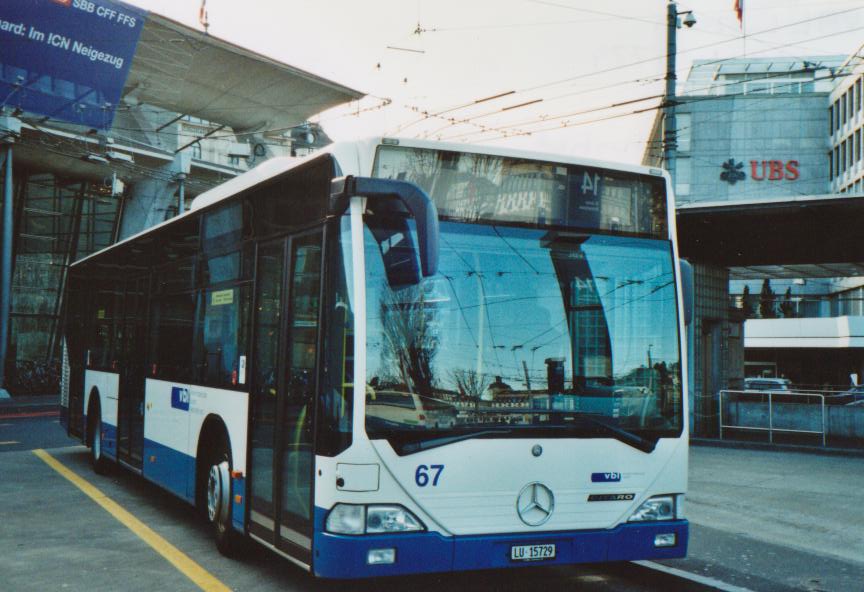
(535, 504)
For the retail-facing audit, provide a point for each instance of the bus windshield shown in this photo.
(523, 331)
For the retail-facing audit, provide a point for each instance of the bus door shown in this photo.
(76, 354)
(288, 283)
(132, 374)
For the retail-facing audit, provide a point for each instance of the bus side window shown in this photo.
(172, 330)
(104, 313)
(224, 336)
(337, 390)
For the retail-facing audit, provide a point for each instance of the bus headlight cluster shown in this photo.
(659, 507)
(371, 519)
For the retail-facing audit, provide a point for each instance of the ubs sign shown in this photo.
(765, 170)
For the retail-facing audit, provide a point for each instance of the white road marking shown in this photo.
(704, 580)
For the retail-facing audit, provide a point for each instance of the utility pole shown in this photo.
(670, 147)
(669, 126)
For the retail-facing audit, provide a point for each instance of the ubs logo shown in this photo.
(765, 170)
(732, 172)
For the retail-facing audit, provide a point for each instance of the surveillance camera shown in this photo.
(689, 20)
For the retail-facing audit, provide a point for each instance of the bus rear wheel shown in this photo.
(218, 499)
(97, 458)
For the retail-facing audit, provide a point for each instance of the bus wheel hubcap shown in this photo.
(97, 441)
(213, 493)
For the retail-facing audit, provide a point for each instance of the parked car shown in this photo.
(768, 384)
(854, 396)
(409, 410)
(857, 393)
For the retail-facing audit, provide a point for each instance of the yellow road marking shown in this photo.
(200, 576)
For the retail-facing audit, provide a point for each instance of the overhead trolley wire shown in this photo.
(501, 129)
(429, 113)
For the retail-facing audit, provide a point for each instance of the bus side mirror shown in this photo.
(419, 205)
(687, 290)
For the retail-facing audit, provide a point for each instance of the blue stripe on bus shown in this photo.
(109, 440)
(342, 556)
(238, 509)
(170, 468)
(175, 471)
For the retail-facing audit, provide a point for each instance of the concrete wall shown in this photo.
(718, 347)
(841, 421)
(751, 129)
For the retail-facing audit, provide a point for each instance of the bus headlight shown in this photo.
(391, 519)
(346, 519)
(372, 519)
(659, 507)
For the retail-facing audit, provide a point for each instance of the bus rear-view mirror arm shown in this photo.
(418, 203)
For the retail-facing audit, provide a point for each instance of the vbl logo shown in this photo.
(180, 398)
(605, 477)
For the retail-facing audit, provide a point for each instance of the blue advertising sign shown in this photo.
(67, 59)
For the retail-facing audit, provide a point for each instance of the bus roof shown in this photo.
(351, 155)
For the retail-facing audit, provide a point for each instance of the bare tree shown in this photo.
(410, 343)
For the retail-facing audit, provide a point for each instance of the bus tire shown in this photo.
(100, 464)
(218, 499)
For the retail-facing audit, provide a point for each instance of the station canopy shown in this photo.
(784, 238)
(187, 71)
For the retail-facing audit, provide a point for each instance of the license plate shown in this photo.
(532, 552)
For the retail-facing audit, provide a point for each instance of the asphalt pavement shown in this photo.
(776, 520)
(766, 520)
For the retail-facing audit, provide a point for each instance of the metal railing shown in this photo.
(771, 405)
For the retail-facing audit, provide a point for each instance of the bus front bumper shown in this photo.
(341, 556)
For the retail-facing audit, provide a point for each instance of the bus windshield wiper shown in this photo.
(619, 433)
(413, 447)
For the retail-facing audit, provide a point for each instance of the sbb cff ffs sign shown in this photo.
(774, 170)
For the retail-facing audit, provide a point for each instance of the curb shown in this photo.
(744, 445)
(29, 414)
(29, 405)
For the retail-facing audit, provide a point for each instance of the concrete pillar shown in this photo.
(261, 150)
(5, 264)
(150, 198)
(10, 129)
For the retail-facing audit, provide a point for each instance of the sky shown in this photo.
(565, 65)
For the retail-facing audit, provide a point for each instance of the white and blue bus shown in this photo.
(398, 356)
